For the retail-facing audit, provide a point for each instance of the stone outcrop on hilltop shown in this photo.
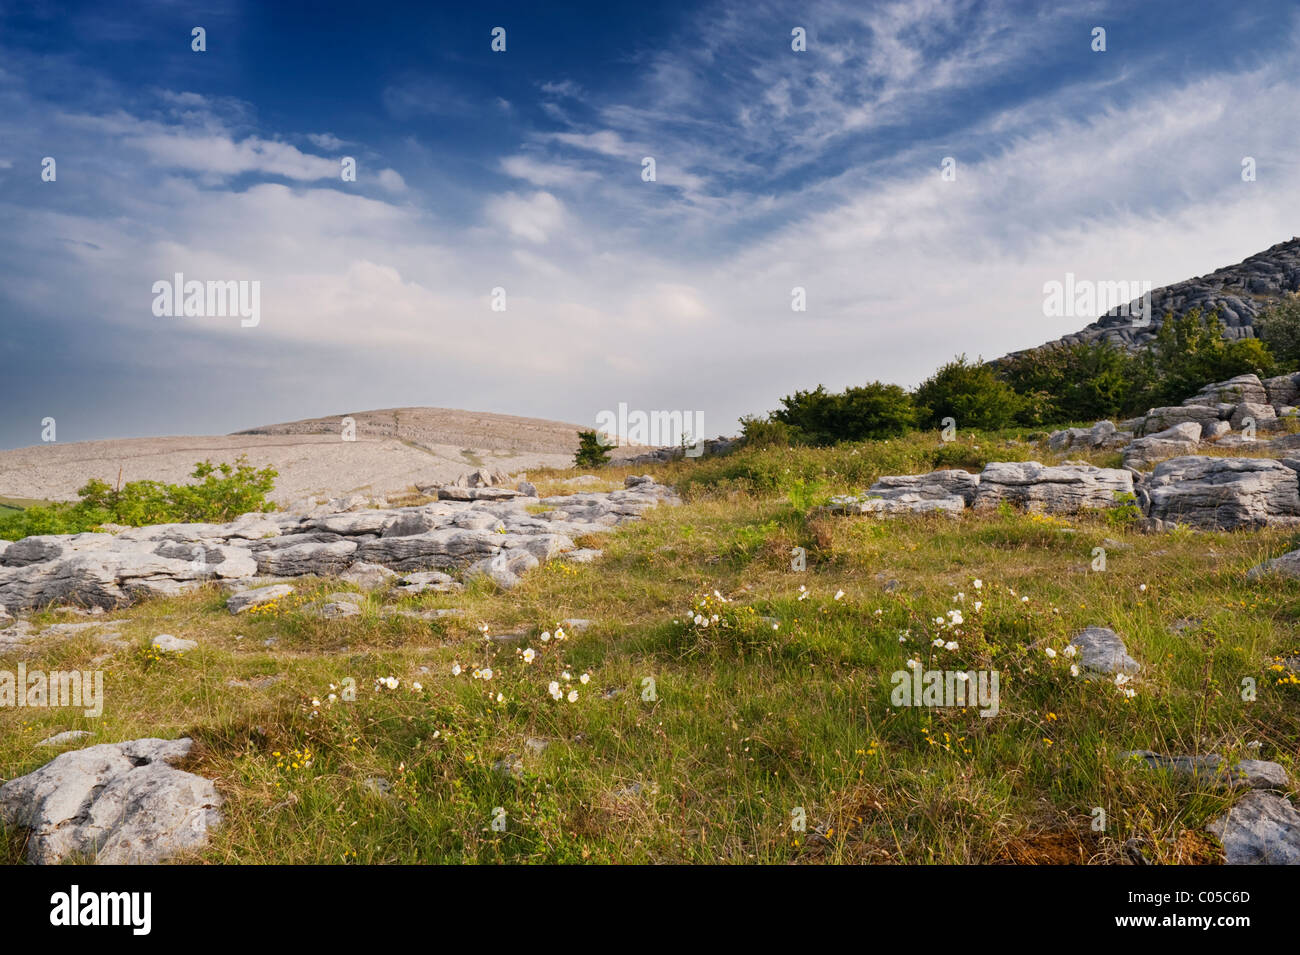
(484, 530)
(1239, 293)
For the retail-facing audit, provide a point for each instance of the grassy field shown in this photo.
(709, 743)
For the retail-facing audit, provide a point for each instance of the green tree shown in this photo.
(591, 453)
(1075, 382)
(1278, 327)
(1190, 352)
(873, 410)
(970, 393)
(760, 431)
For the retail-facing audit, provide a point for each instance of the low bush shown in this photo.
(221, 492)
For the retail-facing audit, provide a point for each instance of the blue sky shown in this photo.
(522, 170)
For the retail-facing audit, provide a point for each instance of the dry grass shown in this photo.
(749, 727)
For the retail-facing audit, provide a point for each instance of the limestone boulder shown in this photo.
(1102, 651)
(1233, 391)
(116, 803)
(1060, 489)
(1223, 493)
(1101, 436)
(1177, 440)
(1263, 828)
(1159, 419)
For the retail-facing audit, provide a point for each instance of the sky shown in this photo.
(523, 170)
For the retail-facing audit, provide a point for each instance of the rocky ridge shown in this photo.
(481, 530)
(1238, 292)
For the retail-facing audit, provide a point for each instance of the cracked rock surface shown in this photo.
(120, 803)
(499, 538)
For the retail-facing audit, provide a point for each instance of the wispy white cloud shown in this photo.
(326, 141)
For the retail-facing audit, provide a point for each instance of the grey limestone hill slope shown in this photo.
(1239, 293)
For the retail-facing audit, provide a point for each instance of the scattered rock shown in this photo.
(1288, 565)
(1261, 829)
(368, 576)
(1216, 430)
(352, 502)
(1243, 388)
(1245, 774)
(512, 765)
(1102, 651)
(169, 644)
(1173, 441)
(505, 568)
(583, 555)
(248, 599)
(1222, 493)
(122, 803)
(1101, 436)
(68, 736)
(1162, 419)
(1284, 390)
(364, 544)
(430, 581)
(1063, 489)
(333, 607)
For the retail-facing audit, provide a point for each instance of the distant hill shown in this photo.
(438, 427)
(394, 449)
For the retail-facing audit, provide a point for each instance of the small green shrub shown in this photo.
(221, 493)
(873, 410)
(759, 432)
(591, 453)
(1279, 328)
(804, 494)
(1125, 511)
(969, 393)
